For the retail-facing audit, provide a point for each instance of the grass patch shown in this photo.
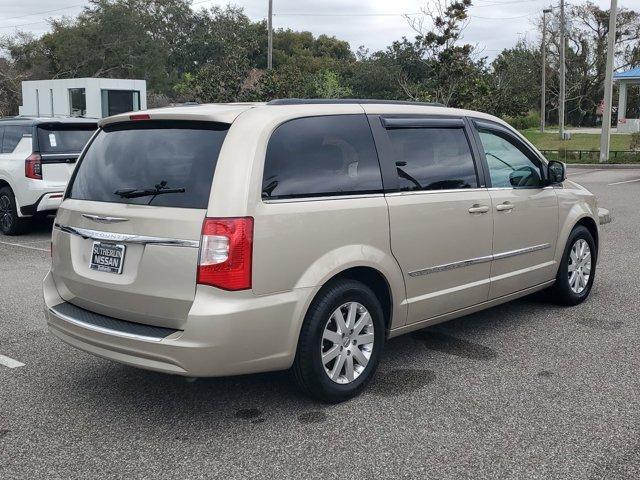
(583, 147)
(579, 141)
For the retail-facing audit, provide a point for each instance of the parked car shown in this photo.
(37, 156)
(230, 239)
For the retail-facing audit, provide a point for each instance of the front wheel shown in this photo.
(577, 268)
(340, 343)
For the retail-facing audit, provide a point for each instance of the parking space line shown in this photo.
(24, 246)
(10, 362)
(625, 181)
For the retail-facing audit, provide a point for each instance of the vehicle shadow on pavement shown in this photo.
(220, 403)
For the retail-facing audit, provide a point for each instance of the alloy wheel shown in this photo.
(347, 342)
(579, 266)
(6, 213)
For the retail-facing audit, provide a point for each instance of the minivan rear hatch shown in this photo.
(126, 238)
(59, 145)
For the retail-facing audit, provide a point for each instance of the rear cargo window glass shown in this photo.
(150, 155)
(12, 136)
(433, 158)
(64, 138)
(314, 156)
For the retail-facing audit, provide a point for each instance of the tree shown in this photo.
(586, 55)
(516, 77)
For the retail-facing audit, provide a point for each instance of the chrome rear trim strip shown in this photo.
(478, 260)
(126, 238)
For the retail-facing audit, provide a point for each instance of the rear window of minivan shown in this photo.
(146, 154)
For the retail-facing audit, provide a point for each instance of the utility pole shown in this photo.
(543, 93)
(608, 84)
(270, 40)
(563, 45)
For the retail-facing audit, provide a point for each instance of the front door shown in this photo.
(440, 215)
(525, 212)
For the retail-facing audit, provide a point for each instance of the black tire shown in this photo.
(308, 369)
(561, 291)
(10, 223)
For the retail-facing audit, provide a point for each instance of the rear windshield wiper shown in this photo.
(159, 189)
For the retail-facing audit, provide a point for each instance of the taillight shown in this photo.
(225, 253)
(33, 167)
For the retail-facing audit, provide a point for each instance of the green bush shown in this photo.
(635, 141)
(523, 122)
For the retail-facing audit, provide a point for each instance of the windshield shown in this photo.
(134, 156)
(57, 138)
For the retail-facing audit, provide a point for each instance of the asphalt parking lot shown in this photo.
(524, 390)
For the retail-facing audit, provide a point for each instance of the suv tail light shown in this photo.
(33, 166)
(225, 253)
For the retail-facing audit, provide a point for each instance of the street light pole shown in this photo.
(608, 84)
(562, 72)
(270, 37)
(543, 92)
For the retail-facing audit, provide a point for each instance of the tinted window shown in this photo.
(321, 156)
(77, 102)
(64, 138)
(142, 155)
(433, 158)
(12, 136)
(508, 165)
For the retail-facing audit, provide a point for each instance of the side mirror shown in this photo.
(557, 172)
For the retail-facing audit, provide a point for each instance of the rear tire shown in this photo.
(340, 343)
(10, 222)
(577, 268)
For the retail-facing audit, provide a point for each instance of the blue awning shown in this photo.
(633, 74)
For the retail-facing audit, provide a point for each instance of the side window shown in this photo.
(433, 158)
(508, 165)
(1, 135)
(12, 136)
(327, 155)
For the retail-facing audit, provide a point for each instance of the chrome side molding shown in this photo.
(478, 260)
(126, 238)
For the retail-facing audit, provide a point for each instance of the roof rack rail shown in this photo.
(330, 101)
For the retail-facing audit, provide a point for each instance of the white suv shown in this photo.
(37, 156)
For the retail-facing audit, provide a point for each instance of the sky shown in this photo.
(374, 24)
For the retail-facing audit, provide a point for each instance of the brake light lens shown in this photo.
(226, 253)
(33, 167)
(140, 116)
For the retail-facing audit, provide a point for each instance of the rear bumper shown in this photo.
(48, 202)
(226, 333)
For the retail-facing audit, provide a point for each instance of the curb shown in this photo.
(604, 166)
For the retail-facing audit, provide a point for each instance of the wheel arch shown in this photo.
(590, 224)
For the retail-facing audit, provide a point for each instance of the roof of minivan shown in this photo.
(228, 112)
(21, 120)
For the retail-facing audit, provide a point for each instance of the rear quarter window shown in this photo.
(12, 136)
(319, 156)
(141, 155)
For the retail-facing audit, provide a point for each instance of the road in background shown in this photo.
(523, 390)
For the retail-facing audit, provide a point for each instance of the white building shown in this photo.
(82, 97)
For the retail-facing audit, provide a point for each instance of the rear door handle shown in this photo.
(479, 209)
(505, 207)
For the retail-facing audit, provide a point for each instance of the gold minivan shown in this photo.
(211, 240)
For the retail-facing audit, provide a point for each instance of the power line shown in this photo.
(46, 11)
(57, 10)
